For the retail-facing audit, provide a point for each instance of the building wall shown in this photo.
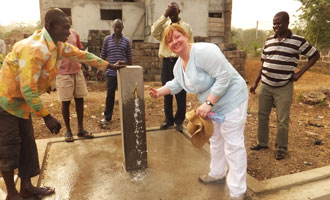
(86, 16)
(139, 16)
(146, 55)
(210, 21)
(194, 13)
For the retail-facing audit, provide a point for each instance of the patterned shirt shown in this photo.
(114, 52)
(157, 30)
(280, 58)
(30, 68)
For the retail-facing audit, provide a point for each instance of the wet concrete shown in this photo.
(94, 169)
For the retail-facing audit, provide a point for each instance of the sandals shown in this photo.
(69, 137)
(38, 193)
(279, 155)
(85, 134)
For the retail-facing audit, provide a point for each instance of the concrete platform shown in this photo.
(93, 169)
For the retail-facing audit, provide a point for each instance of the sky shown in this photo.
(245, 13)
(19, 11)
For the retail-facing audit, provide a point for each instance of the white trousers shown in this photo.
(228, 150)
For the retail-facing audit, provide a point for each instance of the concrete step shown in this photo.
(307, 185)
(318, 190)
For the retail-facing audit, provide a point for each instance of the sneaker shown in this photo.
(206, 179)
(104, 121)
(279, 155)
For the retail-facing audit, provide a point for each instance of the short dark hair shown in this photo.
(284, 15)
(175, 4)
(53, 14)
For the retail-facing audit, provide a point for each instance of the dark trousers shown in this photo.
(110, 99)
(18, 148)
(167, 75)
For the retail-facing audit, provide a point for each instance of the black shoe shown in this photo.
(279, 155)
(258, 147)
(166, 125)
(179, 127)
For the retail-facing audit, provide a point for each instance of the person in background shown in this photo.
(203, 69)
(28, 71)
(170, 16)
(70, 83)
(2, 51)
(278, 62)
(2, 47)
(115, 47)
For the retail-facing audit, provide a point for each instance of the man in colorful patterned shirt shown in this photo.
(279, 61)
(27, 72)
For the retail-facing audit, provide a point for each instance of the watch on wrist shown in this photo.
(208, 102)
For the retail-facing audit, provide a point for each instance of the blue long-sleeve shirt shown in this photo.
(209, 71)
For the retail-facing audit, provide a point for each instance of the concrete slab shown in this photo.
(307, 185)
(174, 166)
(287, 181)
(93, 169)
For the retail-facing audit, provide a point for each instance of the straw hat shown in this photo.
(200, 129)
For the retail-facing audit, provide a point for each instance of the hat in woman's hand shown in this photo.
(200, 129)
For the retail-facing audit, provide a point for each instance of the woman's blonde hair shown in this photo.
(168, 32)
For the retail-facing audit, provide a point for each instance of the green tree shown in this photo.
(16, 28)
(316, 17)
(250, 41)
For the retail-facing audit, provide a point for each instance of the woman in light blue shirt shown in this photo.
(204, 70)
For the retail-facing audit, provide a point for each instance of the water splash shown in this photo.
(138, 125)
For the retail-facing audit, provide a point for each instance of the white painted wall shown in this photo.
(193, 12)
(86, 17)
(196, 14)
(134, 21)
(138, 17)
(216, 5)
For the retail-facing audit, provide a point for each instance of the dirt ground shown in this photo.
(308, 123)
